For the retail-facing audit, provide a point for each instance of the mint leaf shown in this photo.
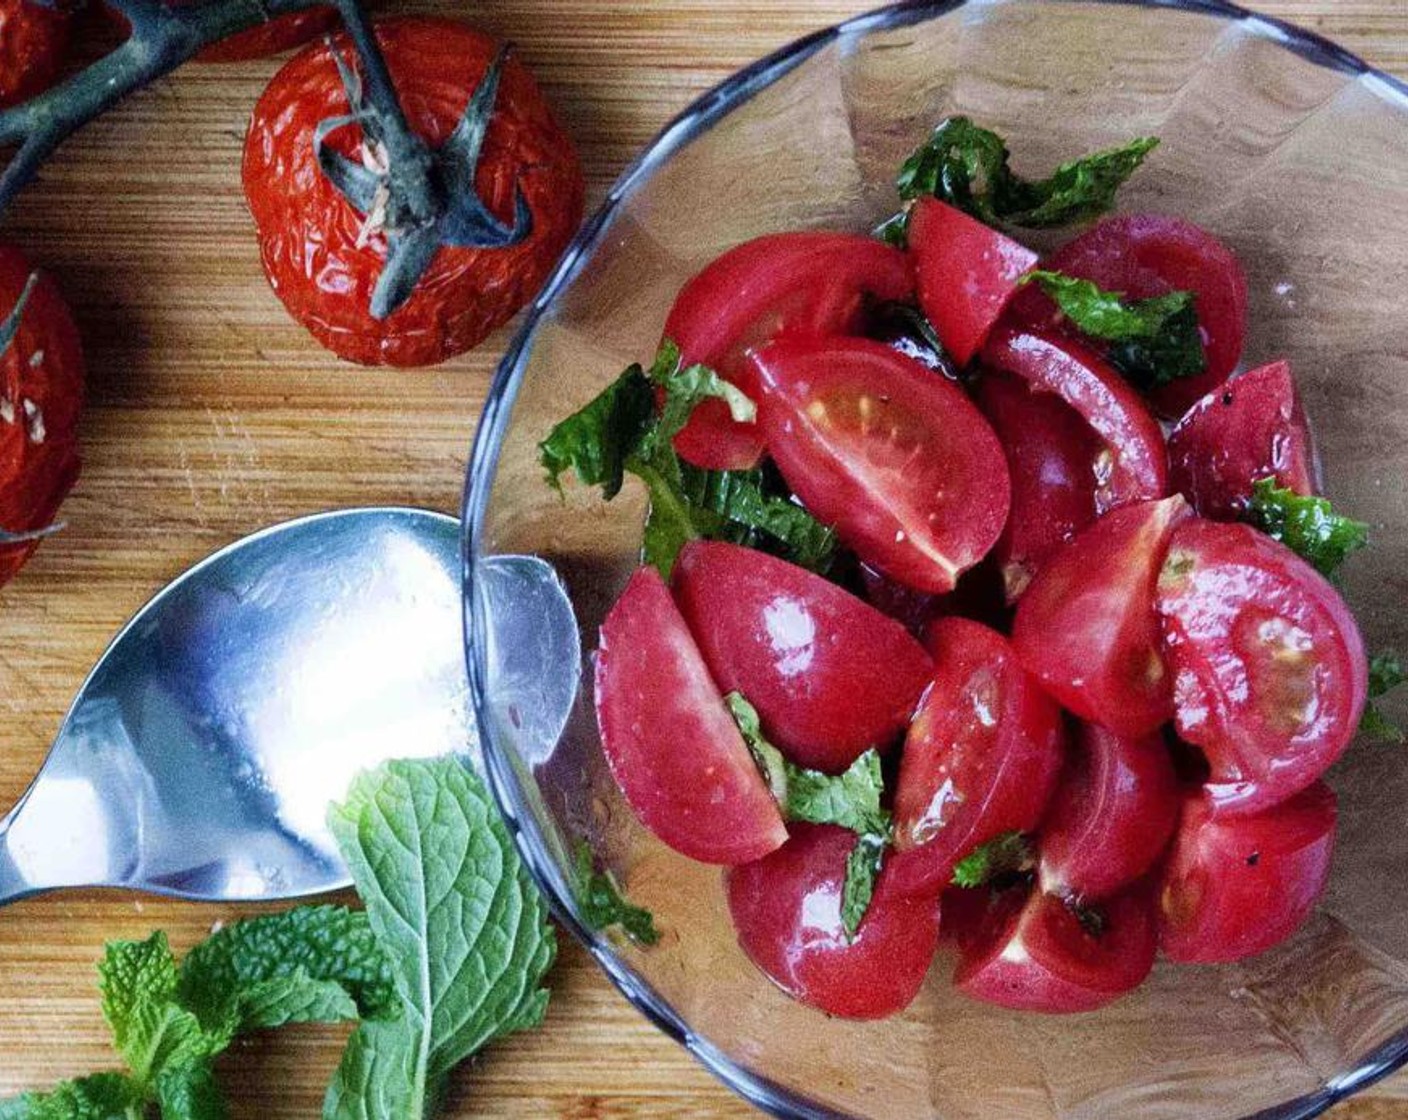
(602, 905)
(1002, 855)
(190, 1093)
(684, 390)
(862, 870)
(595, 441)
(464, 930)
(103, 1096)
(1385, 674)
(1308, 526)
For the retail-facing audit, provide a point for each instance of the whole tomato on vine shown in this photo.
(376, 278)
(41, 397)
(33, 38)
(274, 36)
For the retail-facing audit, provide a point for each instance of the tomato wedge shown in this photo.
(1133, 465)
(1237, 886)
(1146, 255)
(787, 910)
(1051, 457)
(1270, 677)
(808, 284)
(1087, 628)
(670, 741)
(966, 273)
(981, 757)
(1251, 428)
(1112, 815)
(894, 456)
(1035, 953)
(829, 675)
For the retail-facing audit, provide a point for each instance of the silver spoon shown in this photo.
(201, 754)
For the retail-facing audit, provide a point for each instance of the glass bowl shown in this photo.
(1290, 149)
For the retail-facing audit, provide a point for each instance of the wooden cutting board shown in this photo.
(212, 414)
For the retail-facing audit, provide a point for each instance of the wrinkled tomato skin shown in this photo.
(1147, 255)
(1035, 955)
(896, 458)
(786, 908)
(966, 273)
(308, 232)
(808, 284)
(829, 675)
(672, 745)
(274, 36)
(33, 41)
(1112, 815)
(1133, 466)
(1270, 676)
(1251, 428)
(1051, 457)
(1235, 887)
(41, 399)
(1087, 629)
(981, 758)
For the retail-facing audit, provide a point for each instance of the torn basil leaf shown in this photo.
(1307, 525)
(1005, 854)
(603, 905)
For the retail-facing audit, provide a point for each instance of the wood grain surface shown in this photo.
(212, 414)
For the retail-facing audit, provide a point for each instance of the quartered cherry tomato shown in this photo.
(787, 910)
(966, 273)
(1037, 953)
(981, 757)
(323, 257)
(34, 37)
(41, 397)
(829, 675)
(672, 745)
(793, 285)
(1270, 677)
(1112, 815)
(1052, 455)
(1252, 427)
(893, 455)
(273, 36)
(1087, 628)
(1237, 886)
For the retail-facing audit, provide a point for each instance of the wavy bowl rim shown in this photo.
(700, 115)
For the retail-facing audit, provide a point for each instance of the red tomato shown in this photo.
(1112, 816)
(1270, 676)
(672, 745)
(981, 757)
(1253, 427)
(807, 285)
(41, 397)
(1051, 456)
(1234, 887)
(891, 454)
(309, 234)
(829, 675)
(1087, 628)
(1036, 954)
(33, 40)
(787, 910)
(966, 272)
(1133, 464)
(1146, 255)
(274, 36)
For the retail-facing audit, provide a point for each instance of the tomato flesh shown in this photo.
(1035, 954)
(981, 758)
(1270, 677)
(894, 456)
(672, 745)
(829, 675)
(808, 285)
(786, 908)
(1234, 887)
(966, 273)
(1112, 815)
(1087, 629)
(1251, 428)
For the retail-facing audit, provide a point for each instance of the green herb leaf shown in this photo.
(862, 870)
(1308, 526)
(464, 930)
(596, 441)
(685, 389)
(1385, 674)
(190, 1093)
(1002, 855)
(103, 1096)
(602, 904)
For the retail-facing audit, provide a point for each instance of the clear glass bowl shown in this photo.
(1292, 151)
